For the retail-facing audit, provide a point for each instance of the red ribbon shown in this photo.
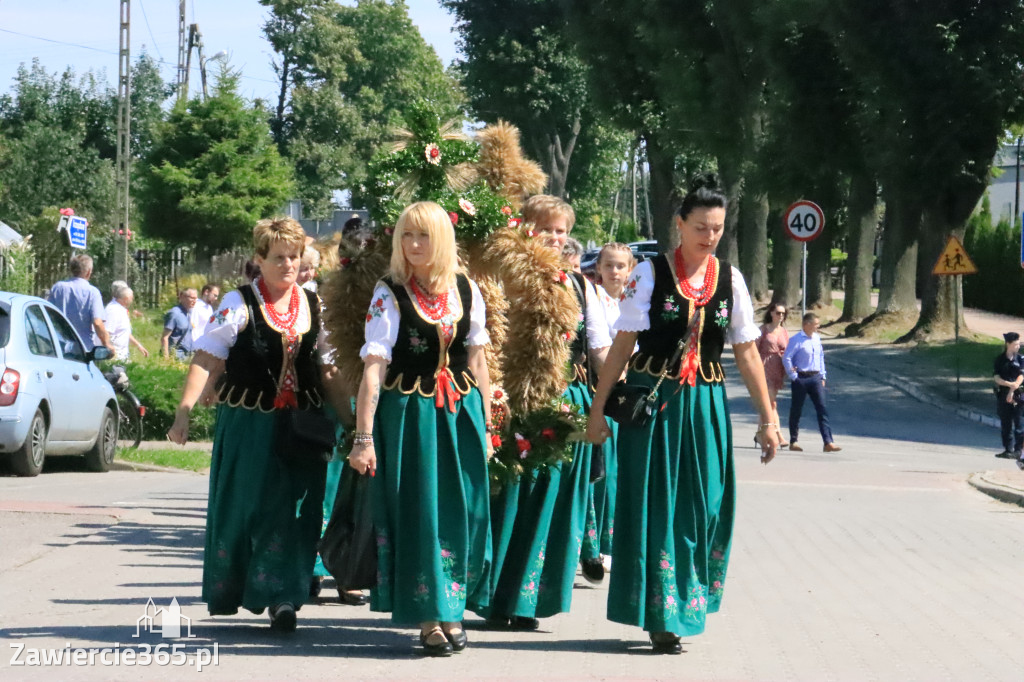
(286, 398)
(445, 390)
(688, 372)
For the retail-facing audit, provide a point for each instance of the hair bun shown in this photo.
(707, 181)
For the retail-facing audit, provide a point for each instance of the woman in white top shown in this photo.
(421, 431)
(676, 484)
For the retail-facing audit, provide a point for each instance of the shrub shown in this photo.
(994, 250)
(158, 386)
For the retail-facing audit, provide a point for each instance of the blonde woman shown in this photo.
(264, 512)
(421, 432)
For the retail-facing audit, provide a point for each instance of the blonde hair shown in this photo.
(612, 246)
(443, 259)
(545, 206)
(272, 231)
(311, 256)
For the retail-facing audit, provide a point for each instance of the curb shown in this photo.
(124, 465)
(912, 389)
(1000, 492)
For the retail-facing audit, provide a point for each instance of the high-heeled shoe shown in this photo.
(437, 649)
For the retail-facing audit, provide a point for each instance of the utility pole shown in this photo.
(123, 161)
(195, 42)
(182, 46)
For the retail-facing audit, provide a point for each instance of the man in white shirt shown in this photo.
(119, 325)
(203, 310)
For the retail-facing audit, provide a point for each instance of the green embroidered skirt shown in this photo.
(431, 511)
(538, 529)
(263, 517)
(674, 511)
(334, 468)
(597, 539)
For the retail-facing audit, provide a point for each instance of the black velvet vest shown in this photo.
(670, 313)
(578, 347)
(254, 365)
(420, 353)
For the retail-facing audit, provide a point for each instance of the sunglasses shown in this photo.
(778, 312)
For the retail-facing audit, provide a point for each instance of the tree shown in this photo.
(214, 172)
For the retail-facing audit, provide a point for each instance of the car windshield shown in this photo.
(5, 327)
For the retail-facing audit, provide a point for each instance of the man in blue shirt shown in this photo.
(804, 362)
(81, 302)
(178, 325)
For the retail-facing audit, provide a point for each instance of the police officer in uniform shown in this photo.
(1009, 375)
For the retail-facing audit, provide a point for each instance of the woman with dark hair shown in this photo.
(1008, 376)
(676, 484)
(771, 346)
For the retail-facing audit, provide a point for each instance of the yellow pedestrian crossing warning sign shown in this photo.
(954, 260)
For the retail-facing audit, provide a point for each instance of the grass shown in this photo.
(976, 357)
(189, 460)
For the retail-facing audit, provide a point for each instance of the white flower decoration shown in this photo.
(467, 208)
(433, 154)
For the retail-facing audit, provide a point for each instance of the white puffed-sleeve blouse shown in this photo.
(382, 320)
(231, 316)
(633, 309)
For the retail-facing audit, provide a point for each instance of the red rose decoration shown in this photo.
(498, 395)
(507, 210)
(548, 433)
(514, 222)
(379, 302)
(345, 262)
(562, 277)
(496, 441)
(67, 211)
(368, 317)
(523, 445)
(454, 217)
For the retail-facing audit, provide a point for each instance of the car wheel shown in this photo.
(28, 459)
(101, 455)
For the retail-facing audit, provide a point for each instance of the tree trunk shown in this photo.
(728, 248)
(819, 270)
(945, 218)
(662, 163)
(863, 206)
(785, 264)
(559, 156)
(754, 244)
(896, 291)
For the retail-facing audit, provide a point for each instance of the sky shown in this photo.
(92, 26)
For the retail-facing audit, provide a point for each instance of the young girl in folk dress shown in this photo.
(614, 263)
(539, 522)
(421, 431)
(676, 485)
(771, 346)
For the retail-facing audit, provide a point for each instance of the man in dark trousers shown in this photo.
(1008, 376)
(804, 362)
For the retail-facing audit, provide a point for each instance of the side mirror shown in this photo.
(100, 353)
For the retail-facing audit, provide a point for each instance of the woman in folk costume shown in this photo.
(539, 522)
(676, 484)
(264, 512)
(614, 263)
(421, 431)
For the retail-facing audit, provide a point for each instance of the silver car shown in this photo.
(54, 400)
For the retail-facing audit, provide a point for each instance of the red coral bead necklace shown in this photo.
(435, 307)
(700, 296)
(284, 320)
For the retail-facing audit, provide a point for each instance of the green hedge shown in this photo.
(158, 387)
(995, 249)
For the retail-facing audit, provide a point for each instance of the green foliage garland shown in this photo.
(534, 441)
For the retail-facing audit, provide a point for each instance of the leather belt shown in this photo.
(804, 375)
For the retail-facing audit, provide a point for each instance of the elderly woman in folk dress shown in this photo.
(676, 484)
(264, 512)
(421, 431)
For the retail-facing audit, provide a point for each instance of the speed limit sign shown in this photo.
(804, 221)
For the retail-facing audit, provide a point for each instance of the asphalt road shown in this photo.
(875, 563)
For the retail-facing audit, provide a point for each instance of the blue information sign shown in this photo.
(77, 229)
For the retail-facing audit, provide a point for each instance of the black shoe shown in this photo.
(1020, 464)
(1005, 454)
(523, 623)
(438, 650)
(666, 643)
(1016, 454)
(314, 587)
(457, 640)
(351, 598)
(497, 623)
(593, 570)
(282, 618)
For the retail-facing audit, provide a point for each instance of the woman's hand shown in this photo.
(178, 433)
(770, 437)
(597, 430)
(363, 458)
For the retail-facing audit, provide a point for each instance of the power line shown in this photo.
(112, 52)
(146, 18)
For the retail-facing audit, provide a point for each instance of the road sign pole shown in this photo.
(956, 331)
(803, 291)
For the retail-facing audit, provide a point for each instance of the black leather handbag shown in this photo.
(305, 435)
(634, 404)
